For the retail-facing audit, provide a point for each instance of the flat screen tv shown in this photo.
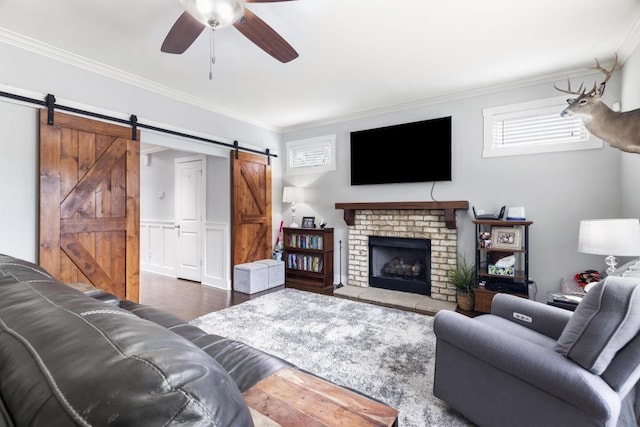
(408, 152)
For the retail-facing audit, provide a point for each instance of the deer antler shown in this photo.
(597, 90)
(606, 72)
(579, 92)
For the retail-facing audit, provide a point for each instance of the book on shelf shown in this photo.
(305, 262)
(306, 241)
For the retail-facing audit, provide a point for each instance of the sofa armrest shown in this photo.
(94, 292)
(530, 363)
(539, 317)
(104, 296)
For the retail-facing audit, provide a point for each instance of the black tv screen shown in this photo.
(409, 152)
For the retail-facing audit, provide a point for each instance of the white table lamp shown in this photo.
(610, 237)
(293, 195)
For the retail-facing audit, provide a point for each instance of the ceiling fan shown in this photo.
(222, 13)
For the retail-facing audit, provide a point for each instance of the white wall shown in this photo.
(219, 189)
(556, 189)
(33, 75)
(630, 169)
(155, 179)
(19, 182)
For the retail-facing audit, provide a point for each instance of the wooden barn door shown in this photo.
(250, 208)
(89, 203)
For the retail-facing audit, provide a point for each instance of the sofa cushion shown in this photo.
(67, 359)
(606, 319)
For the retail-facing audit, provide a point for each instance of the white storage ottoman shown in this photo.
(276, 271)
(251, 277)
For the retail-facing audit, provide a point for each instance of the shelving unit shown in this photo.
(308, 257)
(488, 252)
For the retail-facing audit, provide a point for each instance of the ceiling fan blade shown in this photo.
(183, 33)
(265, 37)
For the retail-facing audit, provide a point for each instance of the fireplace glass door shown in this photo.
(401, 264)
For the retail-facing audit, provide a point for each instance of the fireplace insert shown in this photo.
(400, 264)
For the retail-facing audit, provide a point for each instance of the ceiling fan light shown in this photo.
(215, 13)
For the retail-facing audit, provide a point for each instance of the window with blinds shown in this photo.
(533, 127)
(311, 155)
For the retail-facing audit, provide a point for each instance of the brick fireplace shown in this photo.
(435, 221)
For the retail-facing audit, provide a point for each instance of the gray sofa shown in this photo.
(531, 364)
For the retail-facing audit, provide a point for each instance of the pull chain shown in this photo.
(212, 55)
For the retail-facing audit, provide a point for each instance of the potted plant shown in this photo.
(463, 276)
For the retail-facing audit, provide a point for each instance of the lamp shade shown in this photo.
(293, 195)
(619, 237)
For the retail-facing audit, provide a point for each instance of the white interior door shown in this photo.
(189, 215)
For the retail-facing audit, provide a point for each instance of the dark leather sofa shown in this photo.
(74, 358)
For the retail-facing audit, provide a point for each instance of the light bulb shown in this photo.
(215, 13)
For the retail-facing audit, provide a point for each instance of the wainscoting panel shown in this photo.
(157, 247)
(216, 255)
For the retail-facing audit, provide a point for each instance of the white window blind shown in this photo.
(311, 155)
(534, 127)
(539, 129)
(318, 155)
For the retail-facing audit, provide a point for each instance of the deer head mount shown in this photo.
(619, 130)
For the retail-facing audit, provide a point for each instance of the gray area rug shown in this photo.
(382, 352)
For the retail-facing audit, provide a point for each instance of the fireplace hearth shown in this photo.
(400, 264)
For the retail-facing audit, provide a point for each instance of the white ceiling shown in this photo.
(356, 56)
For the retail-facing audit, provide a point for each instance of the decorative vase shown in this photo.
(465, 301)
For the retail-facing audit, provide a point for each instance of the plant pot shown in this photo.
(465, 301)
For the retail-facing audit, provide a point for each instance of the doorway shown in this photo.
(245, 220)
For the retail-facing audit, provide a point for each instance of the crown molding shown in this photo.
(450, 96)
(90, 65)
(629, 44)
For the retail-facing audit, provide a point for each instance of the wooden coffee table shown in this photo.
(290, 397)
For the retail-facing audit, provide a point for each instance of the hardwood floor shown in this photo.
(188, 300)
(185, 299)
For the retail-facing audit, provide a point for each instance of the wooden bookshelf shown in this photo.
(308, 258)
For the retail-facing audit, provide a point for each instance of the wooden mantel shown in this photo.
(449, 209)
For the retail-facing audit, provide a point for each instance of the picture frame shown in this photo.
(484, 240)
(308, 222)
(509, 238)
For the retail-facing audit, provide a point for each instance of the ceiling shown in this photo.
(357, 57)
